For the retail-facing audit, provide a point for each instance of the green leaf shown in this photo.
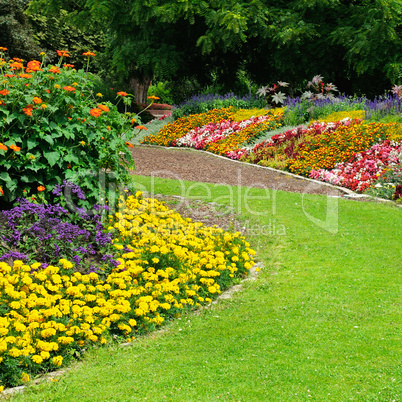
(52, 157)
(5, 176)
(49, 139)
(31, 143)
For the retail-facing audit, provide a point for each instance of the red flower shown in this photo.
(28, 110)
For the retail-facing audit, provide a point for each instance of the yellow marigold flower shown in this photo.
(99, 95)
(57, 360)
(82, 142)
(25, 377)
(37, 359)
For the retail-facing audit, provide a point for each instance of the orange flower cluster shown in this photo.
(16, 65)
(62, 53)
(242, 137)
(121, 93)
(69, 88)
(54, 70)
(15, 148)
(33, 65)
(95, 112)
(182, 126)
(327, 149)
(104, 108)
(28, 110)
(3, 147)
(4, 92)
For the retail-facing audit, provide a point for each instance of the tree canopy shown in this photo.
(348, 42)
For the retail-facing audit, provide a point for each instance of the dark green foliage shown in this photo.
(16, 33)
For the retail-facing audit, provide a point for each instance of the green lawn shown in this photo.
(321, 321)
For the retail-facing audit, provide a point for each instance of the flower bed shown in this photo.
(228, 134)
(363, 168)
(165, 264)
(180, 127)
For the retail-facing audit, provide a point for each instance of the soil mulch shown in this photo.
(187, 164)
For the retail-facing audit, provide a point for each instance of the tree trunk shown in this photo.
(140, 89)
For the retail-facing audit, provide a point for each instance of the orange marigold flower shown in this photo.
(1, 191)
(133, 121)
(68, 65)
(2, 102)
(95, 112)
(18, 60)
(3, 147)
(54, 69)
(41, 188)
(3, 49)
(141, 128)
(4, 92)
(62, 53)
(33, 65)
(37, 100)
(43, 106)
(15, 148)
(88, 54)
(153, 97)
(129, 145)
(69, 88)
(25, 75)
(9, 75)
(47, 90)
(121, 93)
(103, 108)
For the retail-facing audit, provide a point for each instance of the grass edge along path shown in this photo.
(319, 323)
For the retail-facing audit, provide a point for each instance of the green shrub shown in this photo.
(54, 128)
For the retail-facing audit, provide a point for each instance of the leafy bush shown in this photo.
(203, 103)
(55, 128)
(299, 111)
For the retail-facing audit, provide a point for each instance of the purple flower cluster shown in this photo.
(46, 233)
(68, 188)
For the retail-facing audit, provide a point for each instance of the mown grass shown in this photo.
(320, 322)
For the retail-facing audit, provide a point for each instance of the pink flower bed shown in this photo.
(201, 136)
(360, 171)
